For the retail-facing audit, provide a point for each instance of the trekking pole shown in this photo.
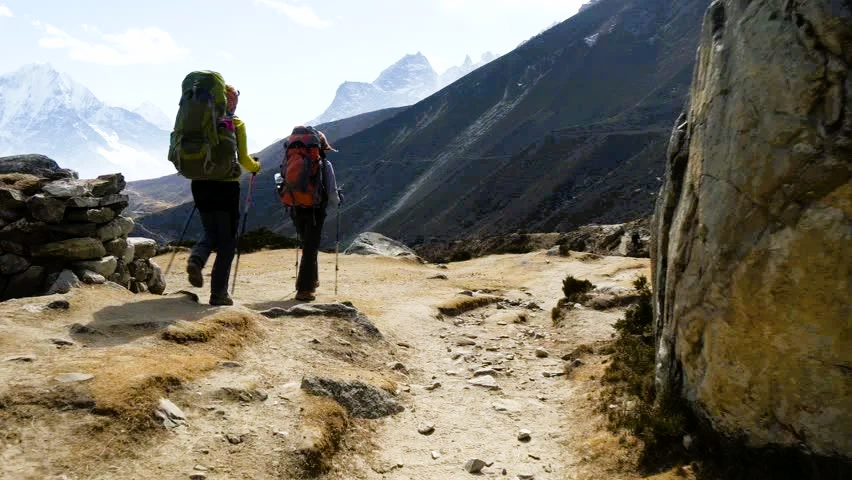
(174, 252)
(243, 230)
(337, 249)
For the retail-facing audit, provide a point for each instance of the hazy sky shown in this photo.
(287, 57)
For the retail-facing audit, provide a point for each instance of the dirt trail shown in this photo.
(230, 436)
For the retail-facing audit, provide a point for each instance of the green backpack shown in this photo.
(203, 143)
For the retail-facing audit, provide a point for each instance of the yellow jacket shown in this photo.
(245, 160)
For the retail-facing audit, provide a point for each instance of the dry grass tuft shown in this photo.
(129, 386)
(463, 303)
(321, 426)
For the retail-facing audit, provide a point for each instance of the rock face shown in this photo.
(625, 239)
(752, 249)
(51, 222)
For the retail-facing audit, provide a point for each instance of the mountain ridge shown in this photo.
(45, 111)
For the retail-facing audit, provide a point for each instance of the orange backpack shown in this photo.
(301, 169)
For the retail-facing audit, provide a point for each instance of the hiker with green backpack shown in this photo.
(208, 146)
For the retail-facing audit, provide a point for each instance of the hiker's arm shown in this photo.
(246, 161)
(331, 184)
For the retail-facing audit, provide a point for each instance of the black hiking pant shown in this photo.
(308, 223)
(218, 204)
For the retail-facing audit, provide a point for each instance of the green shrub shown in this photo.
(574, 288)
(265, 238)
(660, 421)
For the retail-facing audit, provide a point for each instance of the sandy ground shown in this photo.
(44, 435)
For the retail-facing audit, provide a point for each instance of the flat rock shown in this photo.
(506, 405)
(66, 188)
(61, 342)
(20, 358)
(524, 435)
(541, 353)
(72, 249)
(105, 185)
(103, 266)
(74, 377)
(340, 310)
(360, 399)
(486, 381)
(144, 248)
(34, 164)
(485, 371)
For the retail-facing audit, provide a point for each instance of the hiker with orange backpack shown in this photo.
(306, 183)
(208, 146)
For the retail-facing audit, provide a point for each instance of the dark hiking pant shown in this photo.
(308, 223)
(218, 204)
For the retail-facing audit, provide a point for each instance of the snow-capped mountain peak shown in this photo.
(406, 82)
(47, 112)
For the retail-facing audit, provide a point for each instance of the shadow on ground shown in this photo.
(117, 324)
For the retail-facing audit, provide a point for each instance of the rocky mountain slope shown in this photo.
(46, 112)
(404, 83)
(752, 251)
(547, 137)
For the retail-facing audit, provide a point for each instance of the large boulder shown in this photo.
(752, 249)
(624, 239)
(371, 243)
(34, 164)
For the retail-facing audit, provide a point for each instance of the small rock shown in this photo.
(200, 468)
(526, 476)
(484, 371)
(474, 465)
(441, 266)
(577, 362)
(486, 381)
(398, 367)
(439, 276)
(314, 341)
(230, 364)
(435, 455)
(92, 278)
(524, 435)
(434, 386)
(464, 342)
(404, 344)
(551, 374)
(548, 469)
(171, 415)
(234, 439)
(74, 377)
(61, 342)
(426, 429)
(688, 441)
(197, 476)
(59, 305)
(541, 353)
(20, 358)
(533, 456)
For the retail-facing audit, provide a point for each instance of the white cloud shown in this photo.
(225, 55)
(304, 15)
(134, 46)
(5, 12)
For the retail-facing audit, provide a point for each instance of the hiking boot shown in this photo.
(193, 270)
(306, 296)
(220, 299)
